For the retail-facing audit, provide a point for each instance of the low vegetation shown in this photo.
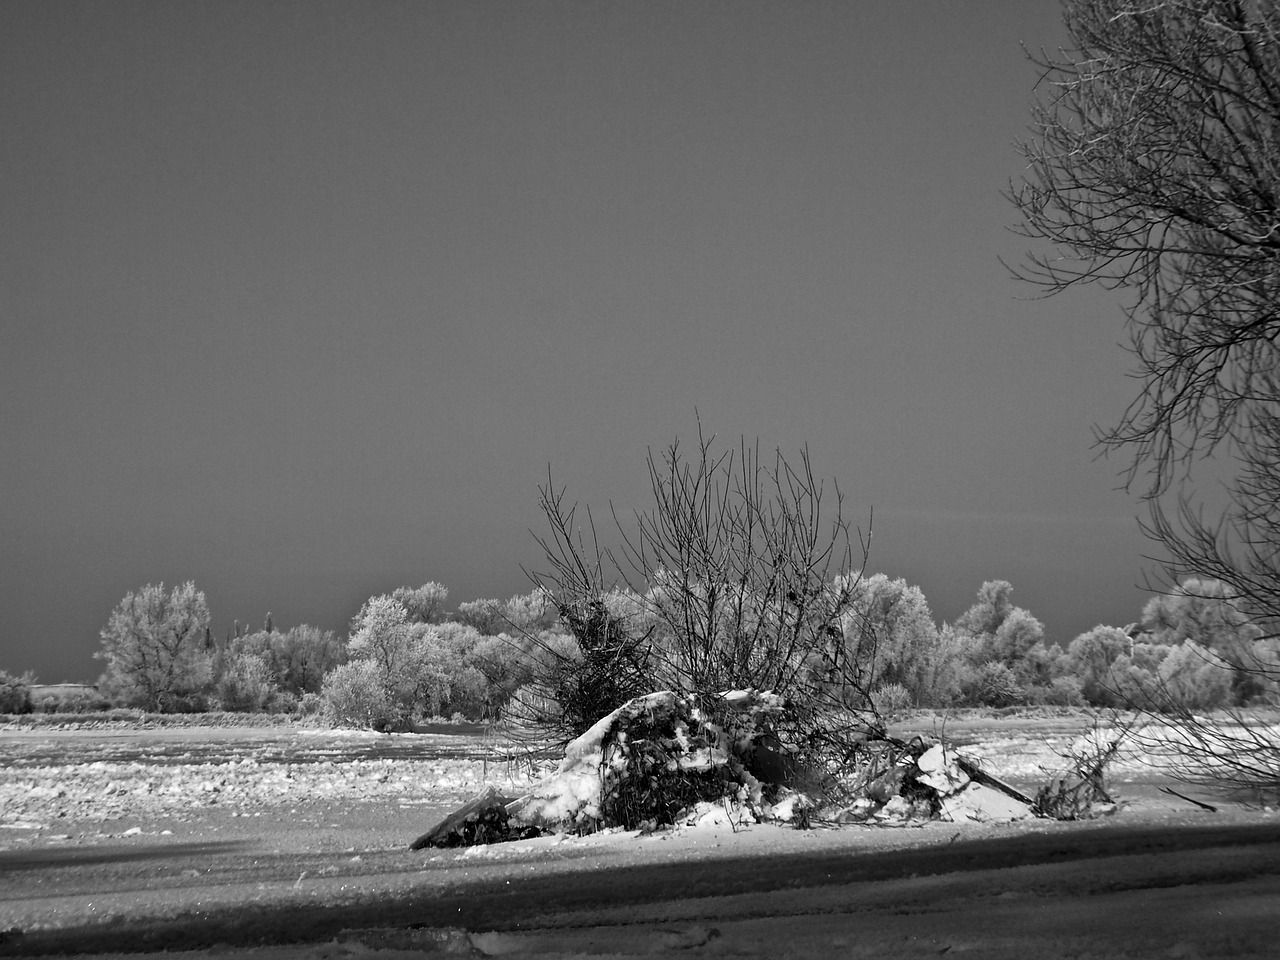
(491, 659)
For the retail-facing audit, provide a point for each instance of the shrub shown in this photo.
(282, 702)
(84, 701)
(1064, 691)
(354, 695)
(195, 702)
(994, 685)
(15, 693)
(739, 576)
(891, 700)
(247, 684)
(68, 699)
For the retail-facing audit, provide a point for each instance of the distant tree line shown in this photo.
(407, 657)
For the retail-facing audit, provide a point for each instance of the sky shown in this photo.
(302, 301)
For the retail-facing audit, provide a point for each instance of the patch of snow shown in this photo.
(938, 770)
(983, 804)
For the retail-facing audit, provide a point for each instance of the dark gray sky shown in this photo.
(299, 300)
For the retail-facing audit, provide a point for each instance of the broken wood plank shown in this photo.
(975, 772)
(1183, 796)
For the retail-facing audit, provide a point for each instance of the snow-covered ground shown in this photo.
(226, 770)
(51, 776)
(103, 790)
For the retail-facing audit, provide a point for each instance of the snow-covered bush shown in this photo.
(74, 701)
(15, 693)
(1064, 691)
(993, 684)
(354, 695)
(1091, 656)
(1195, 678)
(247, 684)
(891, 700)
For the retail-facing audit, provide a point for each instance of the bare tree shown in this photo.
(1154, 168)
(735, 578)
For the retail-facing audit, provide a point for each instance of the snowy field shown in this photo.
(47, 777)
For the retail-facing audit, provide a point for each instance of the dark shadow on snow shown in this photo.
(86, 856)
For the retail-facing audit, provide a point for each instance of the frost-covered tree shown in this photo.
(485, 615)
(1209, 613)
(1195, 677)
(385, 637)
(996, 631)
(1015, 638)
(246, 684)
(1091, 657)
(298, 658)
(460, 686)
(1204, 611)
(985, 616)
(424, 604)
(530, 612)
(893, 629)
(418, 668)
(154, 647)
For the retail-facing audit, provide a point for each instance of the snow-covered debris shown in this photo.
(643, 764)
(658, 760)
(896, 781)
(939, 772)
(976, 801)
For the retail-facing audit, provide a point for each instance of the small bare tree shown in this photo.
(735, 578)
